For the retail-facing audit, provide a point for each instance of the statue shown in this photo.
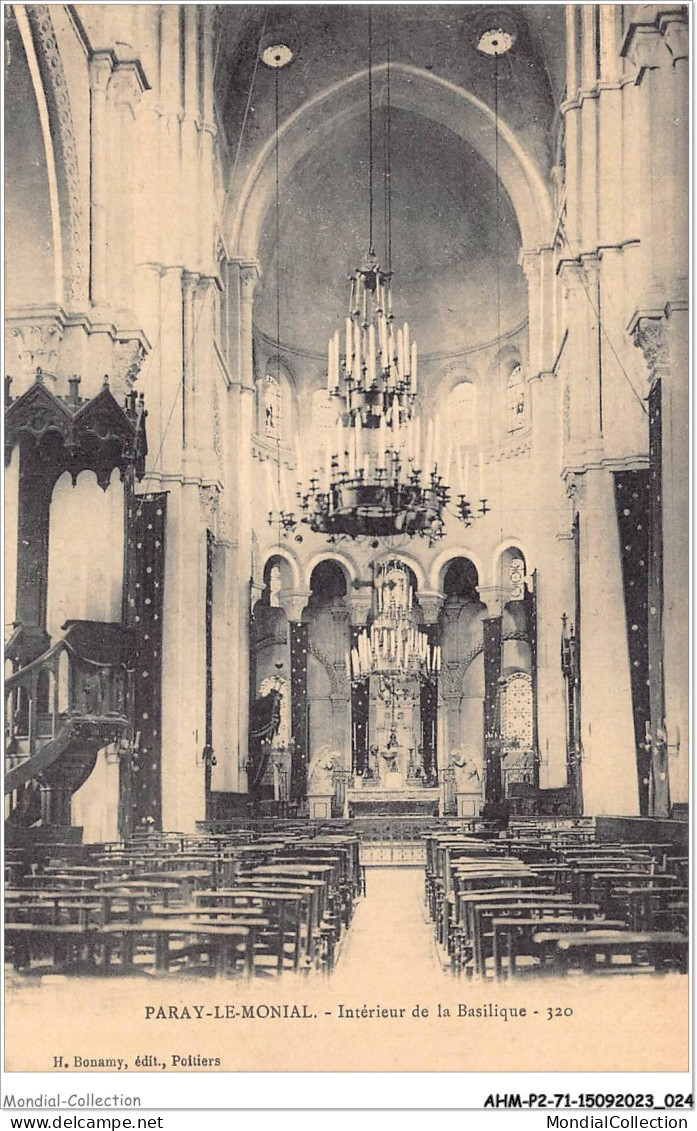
(467, 778)
(320, 774)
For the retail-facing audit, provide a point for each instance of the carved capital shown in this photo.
(572, 276)
(100, 70)
(127, 84)
(494, 597)
(676, 33)
(128, 356)
(665, 40)
(529, 260)
(649, 336)
(431, 605)
(249, 277)
(575, 486)
(360, 607)
(294, 601)
(36, 344)
(340, 614)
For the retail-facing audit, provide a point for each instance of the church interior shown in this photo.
(346, 489)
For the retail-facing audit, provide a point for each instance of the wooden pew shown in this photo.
(513, 936)
(593, 951)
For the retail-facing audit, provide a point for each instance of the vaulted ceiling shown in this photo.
(452, 259)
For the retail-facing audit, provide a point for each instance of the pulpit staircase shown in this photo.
(61, 709)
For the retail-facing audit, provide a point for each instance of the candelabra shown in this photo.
(393, 648)
(378, 476)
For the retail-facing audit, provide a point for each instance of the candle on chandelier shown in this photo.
(400, 355)
(384, 352)
(371, 355)
(383, 441)
(391, 348)
(349, 345)
(417, 443)
(358, 372)
(351, 436)
(359, 440)
(340, 444)
(414, 361)
(405, 334)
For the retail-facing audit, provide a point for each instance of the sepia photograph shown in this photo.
(346, 546)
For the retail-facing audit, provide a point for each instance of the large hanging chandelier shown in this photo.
(393, 648)
(377, 476)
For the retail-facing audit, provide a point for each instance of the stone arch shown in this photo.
(409, 560)
(343, 560)
(451, 375)
(52, 91)
(509, 544)
(282, 552)
(412, 89)
(441, 562)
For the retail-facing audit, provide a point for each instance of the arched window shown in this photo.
(272, 421)
(515, 399)
(462, 413)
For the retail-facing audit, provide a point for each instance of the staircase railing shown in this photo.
(83, 675)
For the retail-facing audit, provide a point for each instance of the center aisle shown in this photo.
(390, 939)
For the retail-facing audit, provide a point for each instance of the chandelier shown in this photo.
(376, 477)
(393, 648)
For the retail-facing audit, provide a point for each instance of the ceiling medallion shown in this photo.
(277, 55)
(496, 41)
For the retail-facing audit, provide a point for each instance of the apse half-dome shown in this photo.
(445, 238)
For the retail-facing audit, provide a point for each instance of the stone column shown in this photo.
(360, 606)
(224, 773)
(647, 46)
(190, 214)
(207, 210)
(571, 109)
(538, 266)
(665, 353)
(609, 768)
(341, 687)
(125, 89)
(183, 698)
(100, 69)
